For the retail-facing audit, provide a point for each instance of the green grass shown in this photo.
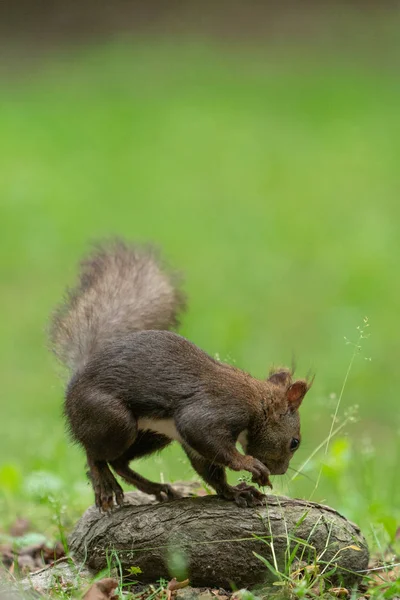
(272, 182)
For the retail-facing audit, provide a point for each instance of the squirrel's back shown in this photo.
(122, 288)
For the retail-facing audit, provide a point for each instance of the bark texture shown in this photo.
(215, 541)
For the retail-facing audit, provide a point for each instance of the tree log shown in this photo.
(213, 541)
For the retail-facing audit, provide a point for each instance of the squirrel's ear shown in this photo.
(296, 393)
(282, 377)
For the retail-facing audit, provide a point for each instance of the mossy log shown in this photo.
(214, 542)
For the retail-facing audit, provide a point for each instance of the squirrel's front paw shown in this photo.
(245, 495)
(166, 493)
(260, 473)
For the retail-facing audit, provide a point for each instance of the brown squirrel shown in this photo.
(135, 386)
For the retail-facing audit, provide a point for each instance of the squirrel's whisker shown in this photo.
(302, 474)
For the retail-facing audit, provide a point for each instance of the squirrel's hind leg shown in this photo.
(146, 443)
(105, 427)
(105, 486)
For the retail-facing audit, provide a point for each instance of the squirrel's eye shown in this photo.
(294, 444)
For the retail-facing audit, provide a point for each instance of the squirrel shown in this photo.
(136, 386)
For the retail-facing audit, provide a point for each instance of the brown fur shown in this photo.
(122, 288)
(127, 370)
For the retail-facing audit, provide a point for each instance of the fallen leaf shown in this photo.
(6, 555)
(53, 553)
(339, 592)
(177, 585)
(102, 590)
(20, 527)
(35, 557)
(34, 550)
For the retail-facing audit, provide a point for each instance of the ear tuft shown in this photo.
(296, 392)
(282, 377)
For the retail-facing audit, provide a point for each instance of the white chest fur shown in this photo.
(164, 426)
(242, 439)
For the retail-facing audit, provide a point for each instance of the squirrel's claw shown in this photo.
(245, 495)
(265, 482)
(260, 473)
(119, 497)
(106, 498)
(167, 493)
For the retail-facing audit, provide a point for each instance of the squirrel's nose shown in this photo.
(277, 469)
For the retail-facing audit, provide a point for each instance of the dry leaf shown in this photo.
(102, 590)
(6, 555)
(177, 585)
(53, 553)
(339, 592)
(20, 527)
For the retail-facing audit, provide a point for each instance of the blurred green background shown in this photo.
(268, 170)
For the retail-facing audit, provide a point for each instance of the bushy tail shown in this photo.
(122, 288)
